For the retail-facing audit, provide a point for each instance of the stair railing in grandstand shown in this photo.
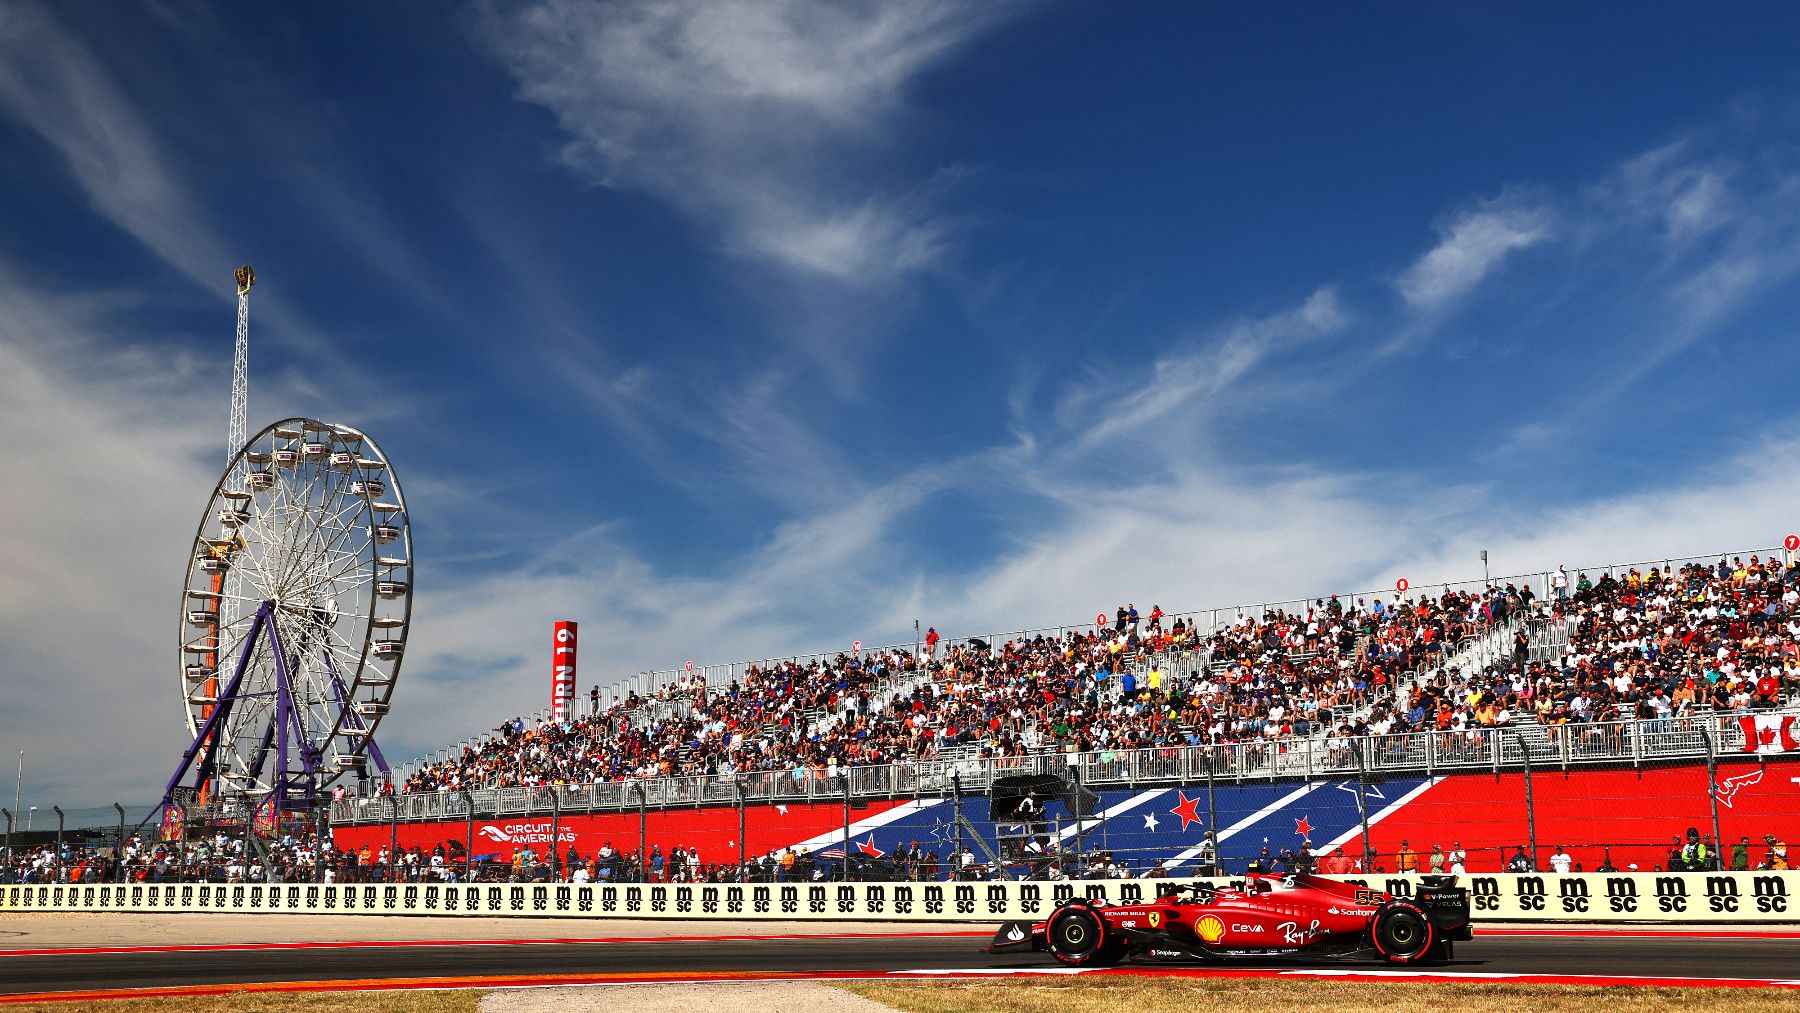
(1432, 752)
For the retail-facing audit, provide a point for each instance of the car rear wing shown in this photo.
(1446, 904)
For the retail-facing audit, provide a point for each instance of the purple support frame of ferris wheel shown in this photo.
(287, 712)
(283, 706)
(221, 708)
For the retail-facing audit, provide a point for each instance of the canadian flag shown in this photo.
(1769, 733)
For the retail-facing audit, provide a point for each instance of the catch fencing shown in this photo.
(1703, 737)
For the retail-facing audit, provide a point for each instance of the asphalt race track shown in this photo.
(1687, 956)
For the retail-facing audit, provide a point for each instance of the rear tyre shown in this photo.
(1077, 936)
(1402, 933)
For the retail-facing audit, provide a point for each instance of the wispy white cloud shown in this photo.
(1682, 189)
(1709, 223)
(1470, 246)
(53, 83)
(748, 115)
(1102, 409)
(116, 146)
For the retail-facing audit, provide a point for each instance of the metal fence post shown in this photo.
(393, 835)
(956, 816)
(181, 841)
(1076, 767)
(1362, 806)
(643, 832)
(846, 776)
(1212, 810)
(743, 847)
(9, 822)
(119, 842)
(1530, 803)
(555, 833)
(321, 832)
(1712, 794)
(59, 832)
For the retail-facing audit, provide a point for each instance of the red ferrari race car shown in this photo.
(1260, 916)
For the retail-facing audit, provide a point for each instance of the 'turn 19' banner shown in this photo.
(562, 671)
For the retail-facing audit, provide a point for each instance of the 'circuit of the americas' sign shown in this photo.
(1635, 896)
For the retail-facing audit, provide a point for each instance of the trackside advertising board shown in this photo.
(1676, 898)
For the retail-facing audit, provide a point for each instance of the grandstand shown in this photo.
(1494, 672)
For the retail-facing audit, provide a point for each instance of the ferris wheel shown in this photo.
(294, 615)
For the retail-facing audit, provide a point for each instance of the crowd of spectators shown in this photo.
(1652, 647)
(213, 858)
(1265, 678)
(1662, 645)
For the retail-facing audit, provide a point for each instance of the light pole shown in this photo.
(18, 783)
(119, 843)
(28, 815)
(1486, 581)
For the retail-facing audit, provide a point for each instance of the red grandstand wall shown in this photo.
(1635, 813)
(714, 832)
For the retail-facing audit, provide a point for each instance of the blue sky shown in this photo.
(732, 330)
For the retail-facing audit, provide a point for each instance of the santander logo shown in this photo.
(524, 833)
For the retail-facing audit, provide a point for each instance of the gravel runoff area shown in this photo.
(33, 931)
(764, 997)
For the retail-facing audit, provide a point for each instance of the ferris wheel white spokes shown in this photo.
(295, 611)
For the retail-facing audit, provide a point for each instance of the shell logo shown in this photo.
(1210, 929)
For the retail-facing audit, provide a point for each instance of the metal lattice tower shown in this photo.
(240, 409)
(240, 368)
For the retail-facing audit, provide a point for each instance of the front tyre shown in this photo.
(1402, 933)
(1077, 936)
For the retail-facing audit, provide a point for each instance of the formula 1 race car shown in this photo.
(1259, 916)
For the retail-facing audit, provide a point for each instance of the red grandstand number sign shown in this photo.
(1792, 542)
(688, 666)
(562, 670)
(856, 647)
(1401, 585)
(1100, 620)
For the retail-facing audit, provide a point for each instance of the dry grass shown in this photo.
(273, 1002)
(1195, 994)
